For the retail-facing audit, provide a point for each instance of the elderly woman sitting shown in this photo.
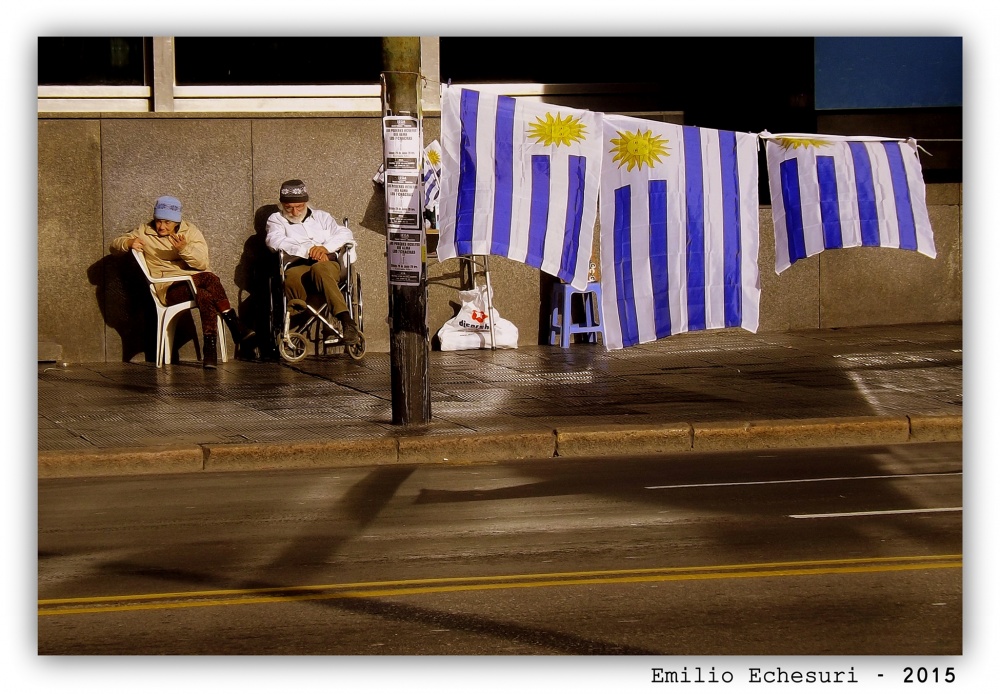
(174, 248)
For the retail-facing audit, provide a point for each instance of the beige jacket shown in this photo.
(161, 257)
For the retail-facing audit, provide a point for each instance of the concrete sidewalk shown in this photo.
(703, 391)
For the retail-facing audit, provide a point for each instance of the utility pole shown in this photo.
(409, 342)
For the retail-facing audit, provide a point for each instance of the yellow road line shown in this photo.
(466, 579)
(214, 598)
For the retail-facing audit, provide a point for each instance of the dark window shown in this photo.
(269, 60)
(81, 61)
(732, 83)
(867, 72)
(552, 60)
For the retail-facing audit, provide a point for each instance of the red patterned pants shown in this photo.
(210, 297)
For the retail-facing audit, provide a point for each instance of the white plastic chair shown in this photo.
(165, 315)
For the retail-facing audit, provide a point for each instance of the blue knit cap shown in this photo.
(168, 208)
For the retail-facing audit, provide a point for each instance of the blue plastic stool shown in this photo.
(561, 323)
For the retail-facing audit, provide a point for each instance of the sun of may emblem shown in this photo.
(638, 148)
(434, 157)
(796, 142)
(557, 130)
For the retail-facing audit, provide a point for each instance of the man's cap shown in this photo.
(293, 191)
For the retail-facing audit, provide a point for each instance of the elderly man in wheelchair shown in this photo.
(316, 257)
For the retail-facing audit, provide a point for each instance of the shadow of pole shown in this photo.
(538, 639)
(357, 510)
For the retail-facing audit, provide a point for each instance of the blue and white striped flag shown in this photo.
(432, 169)
(519, 179)
(840, 192)
(679, 230)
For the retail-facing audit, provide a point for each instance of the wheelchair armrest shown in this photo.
(287, 260)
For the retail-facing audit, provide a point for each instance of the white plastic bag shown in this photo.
(470, 329)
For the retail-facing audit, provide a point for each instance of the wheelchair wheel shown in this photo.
(293, 347)
(356, 351)
(358, 300)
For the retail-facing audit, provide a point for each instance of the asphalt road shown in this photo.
(817, 552)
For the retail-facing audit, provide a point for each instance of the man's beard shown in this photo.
(295, 219)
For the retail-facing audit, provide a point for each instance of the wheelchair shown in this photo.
(305, 323)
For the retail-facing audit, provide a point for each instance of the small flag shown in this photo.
(519, 179)
(679, 230)
(839, 192)
(432, 169)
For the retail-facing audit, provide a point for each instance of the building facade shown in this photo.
(123, 121)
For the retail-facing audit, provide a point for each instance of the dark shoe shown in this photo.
(352, 335)
(239, 333)
(209, 353)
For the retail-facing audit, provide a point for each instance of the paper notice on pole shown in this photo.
(403, 199)
(402, 143)
(405, 257)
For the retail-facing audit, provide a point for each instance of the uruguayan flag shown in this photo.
(840, 192)
(519, 179)
(432, 169)
(679, 230)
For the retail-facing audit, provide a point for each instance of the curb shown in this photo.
(803, 433)
(654, 439)
(491, 447)
(102, 462)
(228, 457)
(483, 447)
(936, 428)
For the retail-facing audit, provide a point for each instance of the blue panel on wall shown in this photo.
(888, 72)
